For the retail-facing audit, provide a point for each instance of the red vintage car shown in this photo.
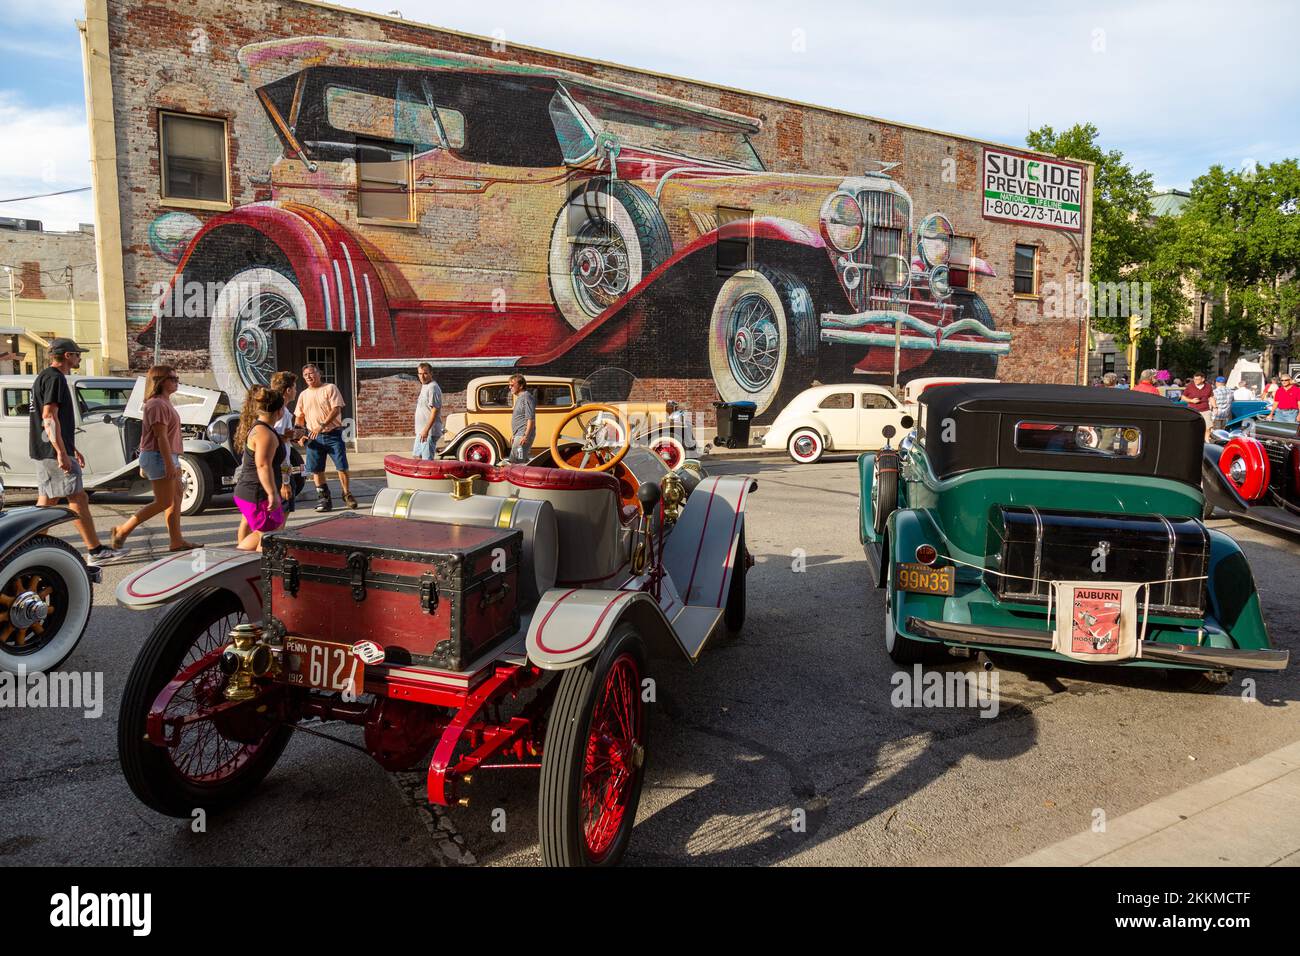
(481, 214)
(479, 618)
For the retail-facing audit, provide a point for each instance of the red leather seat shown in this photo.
(559, 479)
(445, 469)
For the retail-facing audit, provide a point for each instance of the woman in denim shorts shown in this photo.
(160, 448)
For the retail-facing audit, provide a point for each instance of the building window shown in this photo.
(736, 252)
(1107, 362)
(194, 161)
(963, 251)
(383, 180)
(1026, 270)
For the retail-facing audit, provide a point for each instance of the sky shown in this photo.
(1176, 86)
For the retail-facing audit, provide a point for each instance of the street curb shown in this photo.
(1248, 811)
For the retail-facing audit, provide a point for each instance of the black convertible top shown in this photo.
(984, 416)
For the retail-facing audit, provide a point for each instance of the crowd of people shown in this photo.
(275, 418)
(1214, 402)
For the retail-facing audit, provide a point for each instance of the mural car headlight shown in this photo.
(940, 287)
(934, 239)
(844, 223)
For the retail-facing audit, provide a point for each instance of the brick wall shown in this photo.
(167, 54)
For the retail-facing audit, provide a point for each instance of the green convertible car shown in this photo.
(1062, 522)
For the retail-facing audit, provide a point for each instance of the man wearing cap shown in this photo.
(1222, 403)
(53, 446)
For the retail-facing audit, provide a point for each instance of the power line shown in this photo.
(61, 192)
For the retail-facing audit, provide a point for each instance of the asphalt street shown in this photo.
(781, 746)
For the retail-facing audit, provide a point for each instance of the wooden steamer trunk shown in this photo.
(429, 593)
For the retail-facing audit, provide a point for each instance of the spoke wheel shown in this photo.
(215, 762)
(754, 342)
(45, 601)
(593, 761)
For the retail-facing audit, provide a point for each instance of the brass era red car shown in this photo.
(478, 618)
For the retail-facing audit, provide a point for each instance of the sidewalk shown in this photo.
(370, 464)
(1248, 816)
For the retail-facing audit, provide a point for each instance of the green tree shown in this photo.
(1123, 235)
(1239, 238)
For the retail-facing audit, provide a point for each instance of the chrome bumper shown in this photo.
(1211, 658)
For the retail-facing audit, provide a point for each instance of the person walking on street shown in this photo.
(258, 480)
(286, 383)
(1199, 397)
(160, 449)
(428, 414)
(523, 419)
(52, 444)
(1147, 383)
(1286, 400)
(1222, 402)
(320, 411)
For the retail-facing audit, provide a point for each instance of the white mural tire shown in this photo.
(642, 238)
(759, 338)
(239, 362)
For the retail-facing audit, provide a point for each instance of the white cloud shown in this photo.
(46, 150)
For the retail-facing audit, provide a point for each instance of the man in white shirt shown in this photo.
(428, 414)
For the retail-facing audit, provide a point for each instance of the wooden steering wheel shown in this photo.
(602, 443)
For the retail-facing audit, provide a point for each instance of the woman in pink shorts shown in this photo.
(257, 483)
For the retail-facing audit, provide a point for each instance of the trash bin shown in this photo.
(734, 419)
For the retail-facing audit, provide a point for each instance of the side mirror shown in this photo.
(908, 421)
(889, 432)
(108, 419)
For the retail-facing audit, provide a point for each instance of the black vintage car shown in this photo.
(1254, 473)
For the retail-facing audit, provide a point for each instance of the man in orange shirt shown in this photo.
(320, 410)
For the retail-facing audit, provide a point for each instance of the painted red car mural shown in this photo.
(477, 213)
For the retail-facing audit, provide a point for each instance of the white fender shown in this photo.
(700, 555)
(570, 625)
(176, 575)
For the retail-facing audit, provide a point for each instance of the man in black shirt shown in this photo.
(52, 440)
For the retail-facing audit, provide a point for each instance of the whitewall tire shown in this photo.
(48, 594)
(805, 446)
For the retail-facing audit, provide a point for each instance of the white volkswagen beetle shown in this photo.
(836, 418)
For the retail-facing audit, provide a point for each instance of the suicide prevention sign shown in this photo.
(1033, 190)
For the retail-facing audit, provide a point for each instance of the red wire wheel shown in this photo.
(593, 760)
(1245, 464)
(214, 762)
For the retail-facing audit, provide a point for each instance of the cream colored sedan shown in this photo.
(827, 419)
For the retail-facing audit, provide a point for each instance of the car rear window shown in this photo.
(1109, 440)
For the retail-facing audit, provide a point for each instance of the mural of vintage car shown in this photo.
(1060, 522)
(1253, 473)
(482, 214)
(481, 433)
